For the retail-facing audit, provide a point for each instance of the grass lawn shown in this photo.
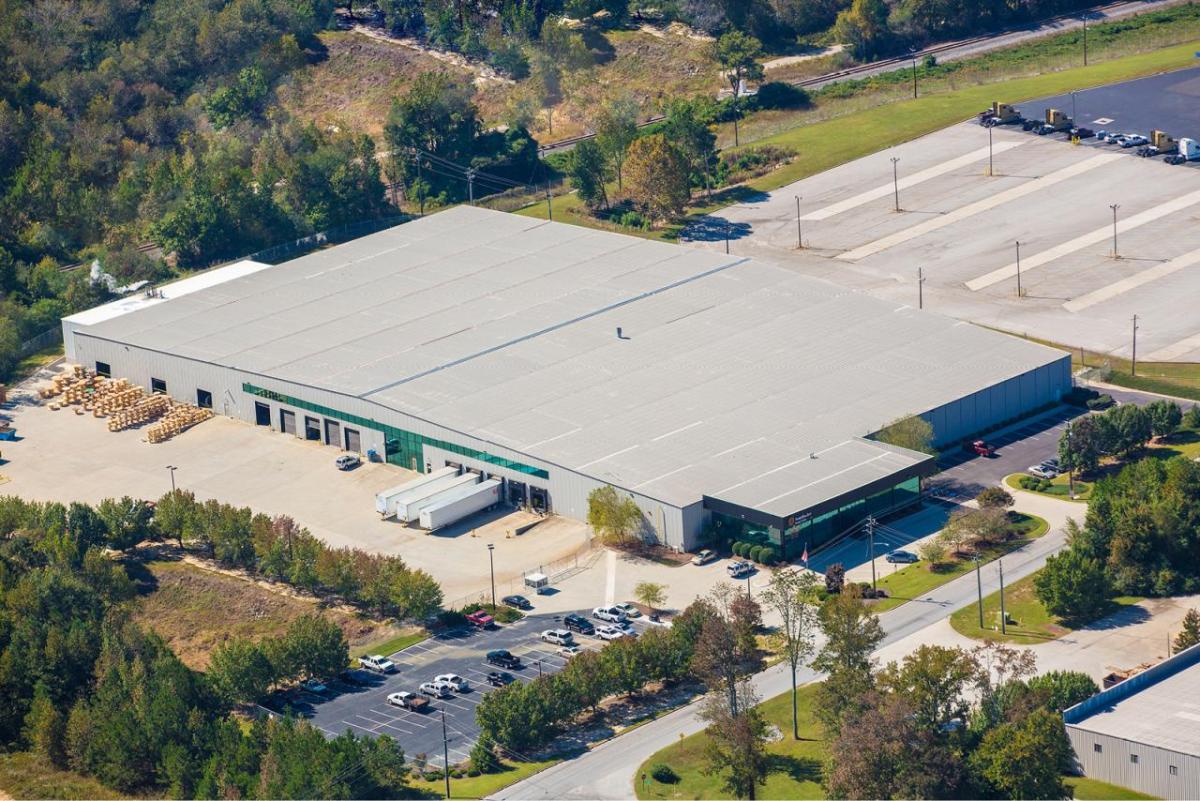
(916, 580)
(1031, 622)
(481, 786)
(795, 770)
(1059, 488)
(1087, 789)
(34, 362)
(389, 646)
(22, 775)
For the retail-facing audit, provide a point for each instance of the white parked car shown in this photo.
(558, 637)
(610, 633)
(1043, 470)
(739, 570)
(629, 609)
(456, 682)
(377, 663)
(704, 556)
(438, 689)
(568, 651)
(407, 700)
(610, 614)
(347, 461)
(1134, 140)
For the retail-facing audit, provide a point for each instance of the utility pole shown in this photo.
(896, 182)
(979, 589)
(492, 570)
(1133, 363)
(471, 185)
(549, 203)
(871, 534)
(726, 236)
(749, 597)
(1018, 268)
(171, 469)
(1114, 207)
(1073, 110)
(920, 288)
(1070, 464)
(914, 61)
(445, 754)
(799, 232)
(1003, 614)
(1085, 39)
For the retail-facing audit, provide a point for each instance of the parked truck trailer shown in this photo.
(409, 510)
(384, 501)
(454, 507)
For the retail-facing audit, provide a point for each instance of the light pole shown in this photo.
(1070, 464)
(896, 182)
(799, 232)
(914, 62)
(1073, 120)
(1133, 363)
(991, 169)
(871, 534)
(445, 754)
(920, 288)
(1084, 39)
(171, 469)
(1003, 614)
(726, 236)
(749, 597)
(1018, 268)
(492, 570)
(979, 588)
(1114, 207)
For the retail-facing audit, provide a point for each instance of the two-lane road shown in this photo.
(608, 771)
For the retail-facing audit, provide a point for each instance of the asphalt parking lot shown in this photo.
(364, 709)
(1168, 102)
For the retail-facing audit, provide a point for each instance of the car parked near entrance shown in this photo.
(516, 602)
(347, 461)
(739, 570)
(609, 614)
(704, 556)
(901, 557)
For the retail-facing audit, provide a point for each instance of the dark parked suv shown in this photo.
(503, 659)
(578, 623)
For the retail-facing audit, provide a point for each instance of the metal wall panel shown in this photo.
(1151, 774)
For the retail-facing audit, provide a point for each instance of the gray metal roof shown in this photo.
(730, 374)
(1164, 713)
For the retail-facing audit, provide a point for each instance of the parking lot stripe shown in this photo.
(1093, 237)
(1132, 282)
(1176, 350)
(978, 207)
(883, 190)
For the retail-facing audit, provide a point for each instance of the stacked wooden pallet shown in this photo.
(122, 397)
(143, 411)
(181, 417)
(65, 382)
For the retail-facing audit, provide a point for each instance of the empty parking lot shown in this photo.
(960, 227)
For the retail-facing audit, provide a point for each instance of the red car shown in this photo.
(481, 619)
(979, 448)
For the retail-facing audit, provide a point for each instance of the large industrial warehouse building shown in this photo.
(711, 388)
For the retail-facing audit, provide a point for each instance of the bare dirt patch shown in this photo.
(194, 610)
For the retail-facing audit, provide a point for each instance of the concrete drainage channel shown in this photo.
(364, 710)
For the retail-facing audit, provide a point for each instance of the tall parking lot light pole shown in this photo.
(1070, 465)
(979, 588)
(1003, 614)
(1084, 39)
(799, 231)
(1018, 268)
(914, 62)
(171, 469)
(1133, 362)
(492, 570)
(445, 754)
(1076, 122)
(991, 169)
(1114, 207)
(920, 288)
(896, 181)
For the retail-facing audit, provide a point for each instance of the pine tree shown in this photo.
(1189, 635)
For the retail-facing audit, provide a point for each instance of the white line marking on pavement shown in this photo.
(1175, 351)
(610, 579)
(1090, 238)
(883, 190)
(1133, 282)
(978, 207)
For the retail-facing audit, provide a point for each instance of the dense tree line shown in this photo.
(1120, 432)
(84, 688)
(942, 722)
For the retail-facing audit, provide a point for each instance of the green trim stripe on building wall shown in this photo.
(404, 448)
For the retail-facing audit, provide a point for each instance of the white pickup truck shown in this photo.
(377, 663)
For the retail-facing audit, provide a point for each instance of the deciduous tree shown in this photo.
(911, 432)
(792, 595)
(1189, 632)
(658, 176)
(852, 633)
(1073, 586)
(614, 518)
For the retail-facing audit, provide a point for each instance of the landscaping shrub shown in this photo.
(738, 548)
(769, 556)
(633, 219)
(777, 95)
(451, 619)
(1079, 396)
(1102, 402)
(663, 774)
(756, 553)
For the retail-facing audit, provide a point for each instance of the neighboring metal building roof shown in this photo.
(729, 374)
(1159, 707)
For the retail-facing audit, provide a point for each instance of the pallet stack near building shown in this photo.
(143, 411)
(181, 417)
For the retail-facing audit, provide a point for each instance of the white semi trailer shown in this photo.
(409, 509)
(384, 501)
(462, 503)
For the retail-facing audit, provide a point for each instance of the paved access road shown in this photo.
(608, 771)
(363, 708)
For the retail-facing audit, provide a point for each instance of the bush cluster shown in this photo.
(756, 552)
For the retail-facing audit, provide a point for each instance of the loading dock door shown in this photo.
(353, 441)
(312, 429)
(262, 414)
(287, 422)
(333, 433)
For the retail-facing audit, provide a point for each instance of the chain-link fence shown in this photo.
(556, 571)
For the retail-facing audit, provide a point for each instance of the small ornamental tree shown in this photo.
(1073, 587)
(657, 176)
(1189, 634)
(615, 518)
(994, 498)
(912, 432)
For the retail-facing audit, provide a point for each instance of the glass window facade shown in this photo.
(820, 529)
(403, 448)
